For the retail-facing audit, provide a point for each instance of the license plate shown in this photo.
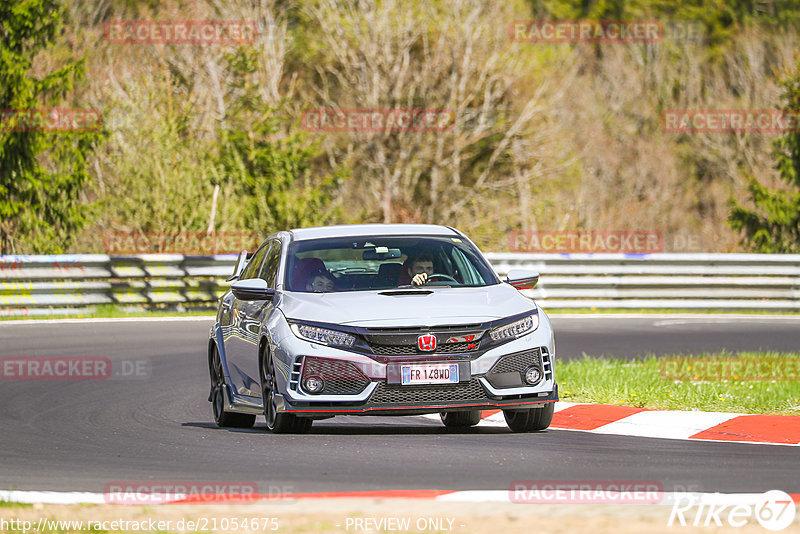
(429, 373)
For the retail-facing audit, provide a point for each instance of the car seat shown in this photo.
(389, 274)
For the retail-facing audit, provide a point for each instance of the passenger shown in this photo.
(320, 281)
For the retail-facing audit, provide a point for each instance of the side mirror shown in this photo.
(522, 278)
(241, 263)
(252, 289)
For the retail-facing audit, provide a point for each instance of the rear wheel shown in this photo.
(221, 417)
(529, 420)
(279, 423)
(461, 419)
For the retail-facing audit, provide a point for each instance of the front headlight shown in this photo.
(515, 329)
(322, 335)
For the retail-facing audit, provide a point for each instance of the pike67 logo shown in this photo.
(774, 510)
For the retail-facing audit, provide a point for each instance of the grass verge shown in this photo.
(650, 382)
(10, 504)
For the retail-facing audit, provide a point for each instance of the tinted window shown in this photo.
(254, 265)
(382, 262)
(270, 269)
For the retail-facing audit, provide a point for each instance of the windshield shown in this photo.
(381, 262)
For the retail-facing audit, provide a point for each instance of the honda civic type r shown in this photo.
(380, 319)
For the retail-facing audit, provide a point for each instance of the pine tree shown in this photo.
(42, 171)
(774, 225)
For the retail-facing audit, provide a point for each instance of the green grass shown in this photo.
(641, 383)
(9, 504)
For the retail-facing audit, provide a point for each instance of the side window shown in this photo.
(468, 275)
(252, 269)
(270, 270)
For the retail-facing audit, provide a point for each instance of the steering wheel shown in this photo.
(442, 276)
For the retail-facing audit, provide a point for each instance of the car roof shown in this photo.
(358, 230)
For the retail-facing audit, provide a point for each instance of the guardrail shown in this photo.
(68, 284)
(665, 281)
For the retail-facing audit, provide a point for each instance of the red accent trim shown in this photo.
(386, 494)
(756, 428)
(592, 416)
(461, 339)
(522, 285)
(432, 407)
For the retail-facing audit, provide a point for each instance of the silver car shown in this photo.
(378, 319)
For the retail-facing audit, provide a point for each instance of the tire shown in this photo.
(461, 419)
(277, 423)
(529, 420)
(221, 417)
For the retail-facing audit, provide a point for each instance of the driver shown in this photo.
(420, 268)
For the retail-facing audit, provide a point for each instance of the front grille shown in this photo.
(431, 394)
(409, 350)
(516, 362)
(344, 387)
(339, 377)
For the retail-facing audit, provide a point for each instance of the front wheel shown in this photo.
(221, 417)
(530, 420)
(278, 423)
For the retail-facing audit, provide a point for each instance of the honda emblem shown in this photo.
(426, 342)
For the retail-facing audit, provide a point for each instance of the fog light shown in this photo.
(533, 375)
(313, 384)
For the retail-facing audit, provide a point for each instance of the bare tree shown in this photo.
(383, 55)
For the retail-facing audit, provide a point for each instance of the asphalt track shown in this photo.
(83, 435)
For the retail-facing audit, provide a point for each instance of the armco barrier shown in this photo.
(67, 284)
(665, 281)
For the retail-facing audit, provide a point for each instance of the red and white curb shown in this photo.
(641, 422)
(471, 496)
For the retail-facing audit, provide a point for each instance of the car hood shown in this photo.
(441, 306)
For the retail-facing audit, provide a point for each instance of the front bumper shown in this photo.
(484, 384)
(377, 407)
